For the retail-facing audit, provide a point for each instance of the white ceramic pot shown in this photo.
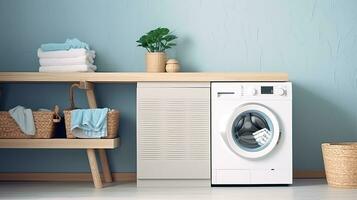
(172, 65)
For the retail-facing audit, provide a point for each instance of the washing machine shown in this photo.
(251, 135)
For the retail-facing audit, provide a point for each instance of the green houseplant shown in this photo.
(156, 42)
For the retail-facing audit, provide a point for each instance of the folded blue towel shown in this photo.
(89, 123)
(69, 44)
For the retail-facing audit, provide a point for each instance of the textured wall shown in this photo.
(315, 41)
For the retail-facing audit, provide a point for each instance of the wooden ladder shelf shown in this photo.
(91, 145)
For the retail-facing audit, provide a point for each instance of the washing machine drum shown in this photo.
(253, 131)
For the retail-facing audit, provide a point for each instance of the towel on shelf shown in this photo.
(68, 44)
(71, 56)
(89, 123)
(71, 68)
(81, 60)
(71, 53)
(24, 119)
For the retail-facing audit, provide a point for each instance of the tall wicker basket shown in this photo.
(112, 118)
(340, 161)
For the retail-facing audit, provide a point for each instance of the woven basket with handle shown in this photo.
(112, 119)
(340, 161)
(44, 123)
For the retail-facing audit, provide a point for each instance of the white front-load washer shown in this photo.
(251, 133)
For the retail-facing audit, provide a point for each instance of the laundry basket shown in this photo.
(44, 123)
(340, 161)
(112, 119)
(112, 124)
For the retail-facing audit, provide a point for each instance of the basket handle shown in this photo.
(57, 117)
(71, 95)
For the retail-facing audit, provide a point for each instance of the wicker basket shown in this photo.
(44, 124)
(112, 118)
(112, 124)
(340, 161)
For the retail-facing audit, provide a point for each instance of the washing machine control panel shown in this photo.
(264, 90)
(253, 90)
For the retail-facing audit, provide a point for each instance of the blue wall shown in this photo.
(315, 41)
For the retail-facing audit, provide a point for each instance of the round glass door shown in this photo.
(253, 131)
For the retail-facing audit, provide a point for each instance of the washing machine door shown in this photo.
(252, 131)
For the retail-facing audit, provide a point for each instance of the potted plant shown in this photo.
(156, 42)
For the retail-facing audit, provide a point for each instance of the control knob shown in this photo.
(253, 91)
(280, 91)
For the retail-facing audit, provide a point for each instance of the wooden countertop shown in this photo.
(113, 77)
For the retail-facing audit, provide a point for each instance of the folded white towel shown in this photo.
(82, 60)
(66, 54)
(262, 136)
(73, 68)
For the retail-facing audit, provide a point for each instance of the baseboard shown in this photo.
(131, 176)
(174, 183)
(82, 177)
(309, 174)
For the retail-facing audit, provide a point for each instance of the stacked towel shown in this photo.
(71, 56)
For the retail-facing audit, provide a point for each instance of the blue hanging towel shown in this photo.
(69, 44)
(89, 123)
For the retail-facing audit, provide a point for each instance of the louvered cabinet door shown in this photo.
(173, 131)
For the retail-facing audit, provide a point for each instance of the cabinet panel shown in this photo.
(173, 131)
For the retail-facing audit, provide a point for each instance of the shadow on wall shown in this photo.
(123, 98)
(2, 98)
(183, 52)
(316, 120)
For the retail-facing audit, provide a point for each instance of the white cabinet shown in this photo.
(173, 130)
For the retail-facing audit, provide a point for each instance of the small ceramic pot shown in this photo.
(155, 61)
(172, 65)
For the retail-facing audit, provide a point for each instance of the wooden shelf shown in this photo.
(139, 77)
(59, 143)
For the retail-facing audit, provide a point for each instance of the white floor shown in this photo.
(314, 189)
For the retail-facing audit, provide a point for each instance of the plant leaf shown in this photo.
(157, 40)
(169, 38)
